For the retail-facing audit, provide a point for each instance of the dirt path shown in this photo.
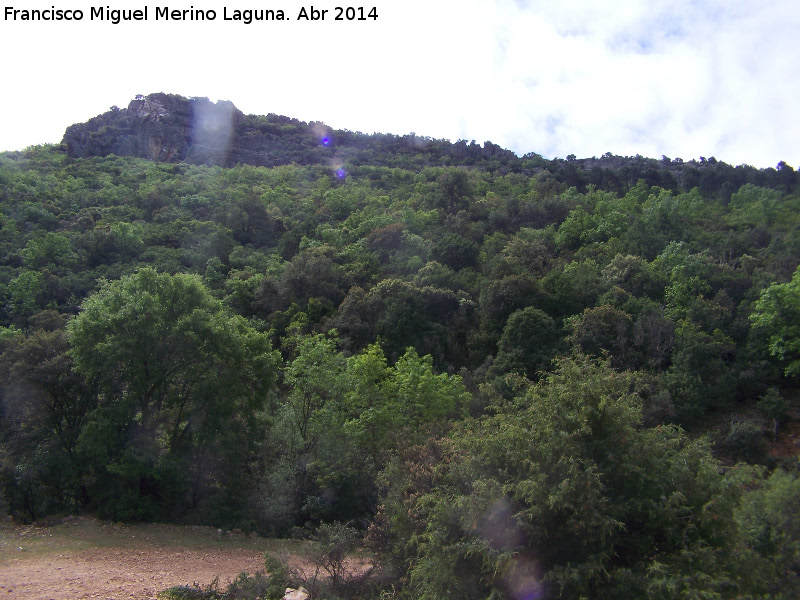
(85, 558)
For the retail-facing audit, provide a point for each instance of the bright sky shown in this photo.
(681, 78)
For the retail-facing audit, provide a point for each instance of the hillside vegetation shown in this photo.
(510, 377)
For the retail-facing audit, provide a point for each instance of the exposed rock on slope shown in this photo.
(160, 127)
(170, 128)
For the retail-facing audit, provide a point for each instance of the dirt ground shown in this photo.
(85, 558)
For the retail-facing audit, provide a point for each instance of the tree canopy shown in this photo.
(509, 376)
(177, 375)
(778, 312)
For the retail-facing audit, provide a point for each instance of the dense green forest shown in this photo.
(507, 377)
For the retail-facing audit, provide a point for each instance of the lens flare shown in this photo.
(499, 527)
(323, 133)
(341, 174)
(213, 126)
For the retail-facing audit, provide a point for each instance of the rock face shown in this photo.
(174, 129)
(161, 127)
(170, 128)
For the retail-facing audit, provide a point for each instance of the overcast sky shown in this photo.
(679, 78)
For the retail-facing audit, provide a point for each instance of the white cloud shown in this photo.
(679, 78)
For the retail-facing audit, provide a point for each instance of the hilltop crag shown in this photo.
(161, 127)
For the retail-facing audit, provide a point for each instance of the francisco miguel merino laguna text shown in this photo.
(162, 13)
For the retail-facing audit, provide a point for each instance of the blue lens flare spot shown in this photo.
(340, 174)
(326, 141)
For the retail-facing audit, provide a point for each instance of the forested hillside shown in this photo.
(511, 377)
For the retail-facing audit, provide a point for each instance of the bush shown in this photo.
(271, 586)
(279, 577)
(775, 407)
(190, 592)
(744, 440)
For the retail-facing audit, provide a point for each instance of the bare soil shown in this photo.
(787, 444)
(86, 558)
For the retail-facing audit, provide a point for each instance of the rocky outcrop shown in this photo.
(170, 128)
(161, 127)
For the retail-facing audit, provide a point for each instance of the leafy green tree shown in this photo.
(456, 251)
(634, 275)
(752, 206)
(530, 250)
(744, 441)
(605, 329)
(342, 420)
(180, 384)
(387, 407)
(777, 311)
(575, 230)
(700, 377)
(402, 314)
(422, 396)
(314, 378)
(501, 297)
(661, 221)
(768, 518)
(309, 466)
(774, 407)
(51, 250)
(573, 289)
(563, 493)
(454, 190)
(25, 294)
(43, 406)
(385, 241)
(312, 274)
(126, 238)
(527, 345)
